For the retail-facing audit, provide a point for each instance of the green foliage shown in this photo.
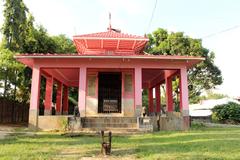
(9, 69)
(72, 100)
(210, 95)
(14, 26)
(21, 36)
(197, 125)
(14, 34)
(145, 98)
(38, 41)
(227, 113)
(64, 124)
(214, 117)
(63, 44)
(203, 76)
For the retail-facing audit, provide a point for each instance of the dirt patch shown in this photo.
(8, 130)
(5, 130)
(108, 158)
(3, 135)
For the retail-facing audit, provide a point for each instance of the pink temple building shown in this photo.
(110, 71)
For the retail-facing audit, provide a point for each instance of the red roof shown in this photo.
(111, 34)
(110, 43)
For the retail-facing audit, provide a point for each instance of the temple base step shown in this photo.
(114, 124)
(109, 122)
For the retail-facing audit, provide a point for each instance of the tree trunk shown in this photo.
(15, 86)
(5, 83)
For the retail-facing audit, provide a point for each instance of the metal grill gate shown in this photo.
(109, 92)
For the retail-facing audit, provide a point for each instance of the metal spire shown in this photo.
(110, 25)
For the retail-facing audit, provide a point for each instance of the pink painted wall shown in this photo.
(138, 86)
(48, 94)
(184, 89)
(158, 98)
(150, 100)
(65, 99)
(169, 93)
(82, 91)
(59, 98)
(35, 88)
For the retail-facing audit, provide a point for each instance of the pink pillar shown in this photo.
(184, 92)
(180, 94)
(48, 96)
(34, 99)
(150, 100)
(138, 90)
(59, 98)
(158, 98)
(65, 100)
(82, 91)
(169, 95)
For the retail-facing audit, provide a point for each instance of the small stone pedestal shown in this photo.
(106, 146)
(74, 123)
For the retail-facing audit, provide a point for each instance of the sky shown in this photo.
(217, 22)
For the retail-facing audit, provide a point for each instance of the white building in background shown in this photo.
(203, 109)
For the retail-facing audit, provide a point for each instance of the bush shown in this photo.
(226, 113)
(198, 125)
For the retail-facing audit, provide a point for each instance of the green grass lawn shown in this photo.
(203, 143)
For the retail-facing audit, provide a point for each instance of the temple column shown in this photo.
(180, 95)
(184, 98)
(150, 101)
(184, 92)
(59, 98)
(138, 90)
(158, 98)
(48, 96)
(169, 94)
(82, 91)
(34, 99)
(65, 100)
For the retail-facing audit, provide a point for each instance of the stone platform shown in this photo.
(169, 121)
(114, 124)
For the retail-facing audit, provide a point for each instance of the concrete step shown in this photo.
(112, 125)
(115, 131)
(114, 120)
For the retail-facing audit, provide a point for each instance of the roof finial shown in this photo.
(110, 25)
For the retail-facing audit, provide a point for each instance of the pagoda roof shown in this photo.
(111, 34)
(111, 42)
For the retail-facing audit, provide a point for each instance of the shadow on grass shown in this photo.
(46, 139)
(208, 144)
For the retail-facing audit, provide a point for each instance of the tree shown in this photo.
(9, 64)
(21, 36)
(14, 25)
(64, 44)
(14, 34)
(37, 39)
(203, 76)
